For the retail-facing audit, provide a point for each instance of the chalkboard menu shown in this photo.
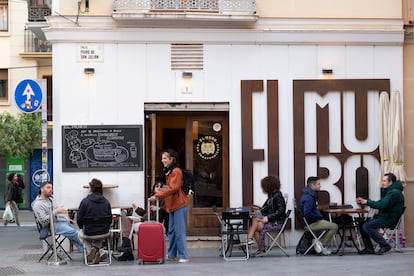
(102, 148)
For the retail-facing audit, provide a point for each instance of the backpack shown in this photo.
(188, 182)
(304, 243)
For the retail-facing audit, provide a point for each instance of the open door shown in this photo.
(150, 152)
(201, 140)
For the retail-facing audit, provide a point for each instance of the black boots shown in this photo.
(126, 248)
(126, 244)
(126, 256)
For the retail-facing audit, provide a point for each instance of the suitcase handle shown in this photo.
(157, 212)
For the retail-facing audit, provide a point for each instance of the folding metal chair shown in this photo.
(106, 237)
(274, 236)
(393, 235)
(316, 235)
(235, 224)
(45, 236)
(116, 228)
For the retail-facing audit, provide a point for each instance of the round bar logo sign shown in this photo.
(208, 147)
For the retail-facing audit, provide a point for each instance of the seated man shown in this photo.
(61, 222)
(390, 206)
(308, 208)
(95, 205)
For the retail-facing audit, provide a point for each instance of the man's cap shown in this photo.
(44, 183)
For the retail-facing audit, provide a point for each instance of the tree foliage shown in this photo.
(20, 136)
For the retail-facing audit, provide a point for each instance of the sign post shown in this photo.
(44, 131)
(29, 97)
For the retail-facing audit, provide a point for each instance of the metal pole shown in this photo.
(52, 230)
(43, 85)
(44, 168)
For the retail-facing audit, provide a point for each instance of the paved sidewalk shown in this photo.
(20, 249)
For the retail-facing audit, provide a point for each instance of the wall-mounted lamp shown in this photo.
(327, 71)
(187, 75)
(89, 70)
(86, 5)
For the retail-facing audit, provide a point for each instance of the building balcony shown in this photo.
(35, 43)
(38, 13)
(185, 10)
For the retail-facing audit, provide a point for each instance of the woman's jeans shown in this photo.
(177, 233)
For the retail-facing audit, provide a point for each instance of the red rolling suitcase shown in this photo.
(151, 242)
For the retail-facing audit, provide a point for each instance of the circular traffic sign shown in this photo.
(28, 96)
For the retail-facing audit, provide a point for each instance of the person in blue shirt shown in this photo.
(308, 207)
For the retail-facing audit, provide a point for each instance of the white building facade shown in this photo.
(138, 60)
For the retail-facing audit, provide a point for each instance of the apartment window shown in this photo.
(4, 15)
(3, 85)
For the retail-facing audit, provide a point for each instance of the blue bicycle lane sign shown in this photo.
(28, 96)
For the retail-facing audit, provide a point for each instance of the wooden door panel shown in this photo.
(207, 156)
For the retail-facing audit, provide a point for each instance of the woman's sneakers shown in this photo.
(250, 241)
(170, 259)
(179, 260)
(183, 260)
(260, 252)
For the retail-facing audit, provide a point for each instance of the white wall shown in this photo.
(134, 73)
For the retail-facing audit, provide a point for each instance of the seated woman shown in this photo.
(270, 216)
(130, 224)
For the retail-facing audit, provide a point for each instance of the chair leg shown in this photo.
(46, 252)
(60, 247)
(108, 242)
(274, 241)
(397, 240)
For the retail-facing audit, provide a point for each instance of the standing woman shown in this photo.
(14, 188)
(176, 203)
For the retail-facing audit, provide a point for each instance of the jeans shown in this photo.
(66, 229)
(177, 233)
(325, 225)
(370, 230)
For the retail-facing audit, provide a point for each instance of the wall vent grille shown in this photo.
(187, 56)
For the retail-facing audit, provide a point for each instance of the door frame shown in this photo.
(192, 111)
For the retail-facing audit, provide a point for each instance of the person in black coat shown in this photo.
(272, 214)
(14, 188)
(95, 205)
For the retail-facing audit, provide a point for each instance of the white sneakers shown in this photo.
(320, 249)
(183, 260)
(326, 251)
(318, 246)
(167, 258)
(250, 241)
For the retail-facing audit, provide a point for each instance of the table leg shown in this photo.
(341, 244)
(353, 240)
